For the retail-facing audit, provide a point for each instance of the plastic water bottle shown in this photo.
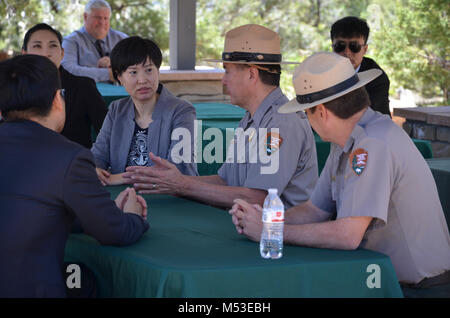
(271, 244)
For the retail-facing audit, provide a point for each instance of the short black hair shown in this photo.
(350, 27)
(349, 104)
(28, 83)
(271, 78)
(39, 27)
(134, 50)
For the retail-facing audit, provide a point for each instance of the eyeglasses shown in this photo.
(62, 92)
(340, 46)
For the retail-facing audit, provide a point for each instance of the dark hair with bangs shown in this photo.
(132, 51)
(39, 27)
(28, 84)
(350, 27)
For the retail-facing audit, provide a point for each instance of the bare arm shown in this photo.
(107, 178)
(345, 233)
(212, 179)
(308, 225)
(165, 178)
(306, 213)
(219, 195)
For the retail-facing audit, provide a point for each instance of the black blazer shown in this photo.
(46, 182)
(378, 89)
(85, 108)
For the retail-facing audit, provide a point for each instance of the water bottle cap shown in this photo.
(273, 191)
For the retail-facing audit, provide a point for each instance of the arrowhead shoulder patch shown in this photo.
(358, 160)
(273, 142)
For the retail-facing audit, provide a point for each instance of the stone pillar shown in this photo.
(428, 123)
(182, 35)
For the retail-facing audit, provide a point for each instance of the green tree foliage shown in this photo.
(409, 38)
(19, 15)
(415, 47)
(303, 26)
(134, 17)
(145, 18)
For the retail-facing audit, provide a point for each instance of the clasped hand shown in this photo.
(104, 62)
(247, 218)
(129, 202)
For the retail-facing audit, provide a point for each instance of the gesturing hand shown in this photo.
(163, 177)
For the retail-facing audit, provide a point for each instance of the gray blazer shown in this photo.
(113, 142)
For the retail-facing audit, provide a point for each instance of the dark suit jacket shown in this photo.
(85, 108)
(46, 182)
(378, 89)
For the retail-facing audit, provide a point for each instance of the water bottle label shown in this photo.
(273, 216)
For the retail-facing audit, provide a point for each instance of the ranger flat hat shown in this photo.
(322, 77)
(251, 44)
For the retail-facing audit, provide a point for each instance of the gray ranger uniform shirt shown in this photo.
(381, 174)
(81, 56)
(288, 164)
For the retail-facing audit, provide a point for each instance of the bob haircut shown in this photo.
(132, 51)
(28, 83)
(39, 27)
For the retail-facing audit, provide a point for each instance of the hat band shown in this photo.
(313, 97)
(251, 57)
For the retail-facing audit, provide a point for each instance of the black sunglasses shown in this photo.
(340, 46)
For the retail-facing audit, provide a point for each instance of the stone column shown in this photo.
(182, 35)
(428, 123)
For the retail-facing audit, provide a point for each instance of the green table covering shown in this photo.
(440, 168)
(193, 250)
(211, 168)
(215, 115)
(424, 146)
(111, 92)
(219, 112)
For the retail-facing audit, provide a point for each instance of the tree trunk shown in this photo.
(446, 96)
(318, 5)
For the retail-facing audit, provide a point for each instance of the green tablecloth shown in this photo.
(216, 115)
(440, 168)
(193, 250)
(424, 146)
(111, 92)
(219, 112)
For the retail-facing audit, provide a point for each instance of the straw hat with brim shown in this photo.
(323, 77)
(251, 44)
